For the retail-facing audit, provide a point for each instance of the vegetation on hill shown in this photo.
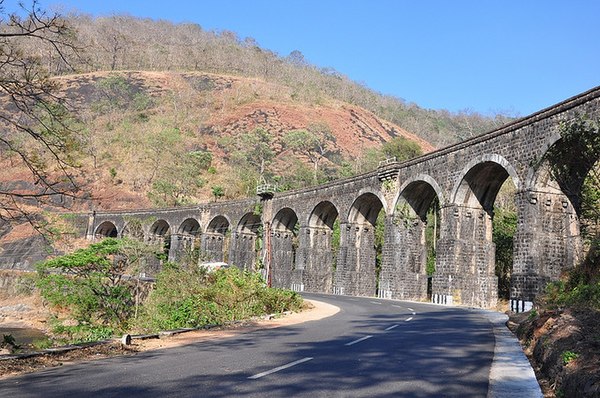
(191, 125)
(122, 42)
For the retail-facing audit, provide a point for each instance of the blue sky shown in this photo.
(514, 56)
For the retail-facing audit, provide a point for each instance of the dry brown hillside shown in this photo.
(204, 108)
(139, 128)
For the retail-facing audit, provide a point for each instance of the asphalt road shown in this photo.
(371, 348)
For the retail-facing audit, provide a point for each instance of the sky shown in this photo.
(511, 56)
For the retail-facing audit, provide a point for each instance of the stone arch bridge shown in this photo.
(292, 234)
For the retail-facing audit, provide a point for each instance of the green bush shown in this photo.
(88, 286)
(563, 294)
(191, 297)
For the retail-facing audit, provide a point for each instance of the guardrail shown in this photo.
(266, 189)
(387, 161)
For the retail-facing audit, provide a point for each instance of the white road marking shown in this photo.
(397, 306)
(375, 302)
(410, 309)
(358, 341)
(392, 327)
(409, 319)
(289, 365)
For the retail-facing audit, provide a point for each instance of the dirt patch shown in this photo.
(23, 312)
(313, 310)
(564, 349)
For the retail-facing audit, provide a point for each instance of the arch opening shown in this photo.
(480, 185)
(281, 249)
(365, 209)
(216, 240)
(218, 225)
(481, 229)
(190, 227)
(107, 229)
(319, 244)
(323, 215)
(247, 243)
(570, 173)
(362, 243)
(250, 223)
(160, 228)
(285, 220)
(415, 232)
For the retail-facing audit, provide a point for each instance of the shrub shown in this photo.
(89, 284)
(191, 297)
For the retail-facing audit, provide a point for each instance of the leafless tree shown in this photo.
(37, 130)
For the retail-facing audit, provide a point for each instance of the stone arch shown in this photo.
(323, 215)
(365, 209)
(184, 243)
(190, 227)
(281, 248)
(106, 229)
(357, 271)
(548, 238)
(364, 193)
(215, 240)
(316, 257)
(574, 171)
(419, 193)
(407, 246)
(412, 187)
(481, 179)
(537, 172)
(160, 233)
(250, 223)
(285, 220)
(218, 225)
(246, 242)
(160, 228)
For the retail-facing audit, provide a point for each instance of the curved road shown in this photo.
(371, 348)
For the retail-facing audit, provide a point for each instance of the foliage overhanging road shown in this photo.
(370, 348)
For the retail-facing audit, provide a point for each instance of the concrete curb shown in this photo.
(511, 374)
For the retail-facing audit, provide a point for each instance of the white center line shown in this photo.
(358, 341)
(375, 302)
(289, 365)
(397, 306)
(409, 319)
(410, 309)
(392, 327)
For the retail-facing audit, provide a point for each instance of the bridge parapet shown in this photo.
(310, 251)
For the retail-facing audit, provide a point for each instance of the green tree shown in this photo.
(401, 148)
(217, 192)
(504, 228)
(89, 282)
(253, 149)
(315, 143)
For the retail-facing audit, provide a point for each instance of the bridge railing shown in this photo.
(387, 161)
(266, 189)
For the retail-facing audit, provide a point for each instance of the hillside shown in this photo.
(122, 42)
(137, 128)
